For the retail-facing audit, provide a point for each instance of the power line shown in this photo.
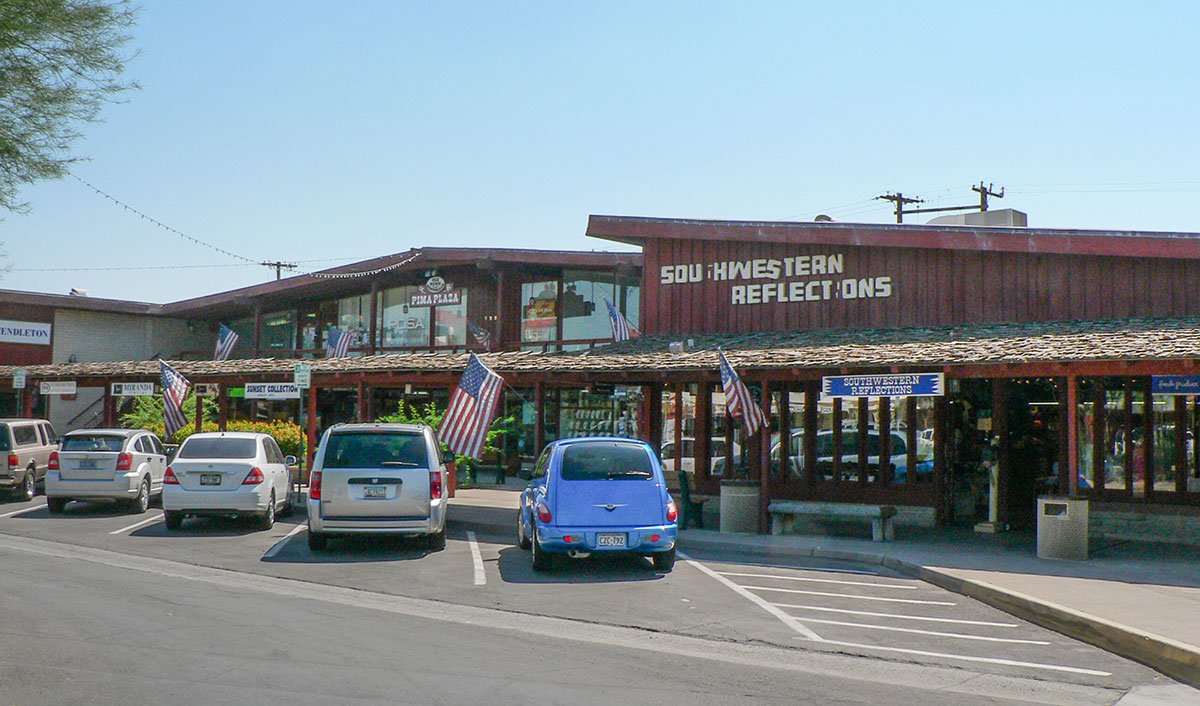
(163, 267)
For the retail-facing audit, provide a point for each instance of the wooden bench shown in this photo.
(691, 505)
(784, 514)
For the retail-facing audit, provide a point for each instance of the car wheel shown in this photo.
(56, 506)
(541, 560)
(267, 520)
(316, 541)
(29, 487)
(141, 503)
(287, 509)
(437, 540)
(664, 561)
(522, 540)
(174, 519)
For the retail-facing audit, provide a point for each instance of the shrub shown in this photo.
(147, 413)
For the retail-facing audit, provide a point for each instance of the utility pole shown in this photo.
(279, 267)
(900, 200)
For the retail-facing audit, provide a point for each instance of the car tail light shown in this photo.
(651, 538)
(124, 462)
(13, 461)
(169, 477)
(254, 477)
(543, 512)
(435, 485)
(314, 485)
(52, 464)
(672, 511)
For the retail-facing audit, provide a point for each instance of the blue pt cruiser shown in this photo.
(601, 495)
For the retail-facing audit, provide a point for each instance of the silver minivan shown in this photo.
(25, 448)
(378, 479)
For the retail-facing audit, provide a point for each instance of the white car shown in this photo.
(227, 473)
(378, 479)
(126, 465)
(716, 452)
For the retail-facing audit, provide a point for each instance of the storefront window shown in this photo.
(584, 312)
(279, 331)
(244, 328)
(451, 328)
(400, 324)
(539, 318)
(353, 314)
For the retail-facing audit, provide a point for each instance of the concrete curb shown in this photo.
(1174, 659)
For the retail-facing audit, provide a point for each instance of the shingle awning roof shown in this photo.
(978, 344)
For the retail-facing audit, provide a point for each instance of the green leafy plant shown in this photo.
(147, 413)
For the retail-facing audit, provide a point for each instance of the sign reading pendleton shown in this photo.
(24, 332)
(898, 385)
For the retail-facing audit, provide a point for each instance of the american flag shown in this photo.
(481, 334)
(338, 342)
(175, 389)
(622, 331)
(226, 341)
(738, 400)
(472, 408)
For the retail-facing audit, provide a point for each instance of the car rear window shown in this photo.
(601, 461)
(4, 442)
(375, 450)
(217, 448)
(92, 442)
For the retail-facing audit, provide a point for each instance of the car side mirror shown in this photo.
(289, 460)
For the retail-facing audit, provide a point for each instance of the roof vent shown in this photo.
(1004, 218)
(825, 219)
(76, 292)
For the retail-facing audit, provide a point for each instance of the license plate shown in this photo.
(610, 540)
(89, 464)
(374, 491)
(210, 479)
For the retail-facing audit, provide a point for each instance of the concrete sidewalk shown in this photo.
(1138, 600)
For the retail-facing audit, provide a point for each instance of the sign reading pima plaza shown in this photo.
(801, 278)
(24, 332)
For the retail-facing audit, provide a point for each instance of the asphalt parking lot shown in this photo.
(812, 605)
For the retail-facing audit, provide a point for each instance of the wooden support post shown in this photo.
(223, 406)
(883, 474)
(199, 410)
(910, 438)
(539, 407)
(811, 395)
(27, 396)
(864, 420)
(373, 326)
(1002, 516)
(258, 330)
(940, 471)
(678, 438)
(1099, 423)
(703, 442)
(1148, 437)
(764, 462)
(312, 427)
(836, 434)
(786, 452)
(654, 393)
(108, 407)
(1067, 421)
(498, 326)
(1128, 436)
(361, 411)
(1180, 444)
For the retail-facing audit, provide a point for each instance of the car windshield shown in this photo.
(220, 447)
(375, 450)
(92, 442)
(601, 461)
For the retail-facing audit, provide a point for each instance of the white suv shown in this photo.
(106, 464)
(378, 479)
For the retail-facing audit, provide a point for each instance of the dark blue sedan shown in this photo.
(597, 495)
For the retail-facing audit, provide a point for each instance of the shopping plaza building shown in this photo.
(957, 372)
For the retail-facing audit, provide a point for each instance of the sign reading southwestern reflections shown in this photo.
(800, 278)
(895, 385)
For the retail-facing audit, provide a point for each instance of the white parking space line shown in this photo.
(969, 658)
(14, 513)
(935, 633)
(143, 523)
(806, 578)
(925, 618)
(283, 542)
(783, 617)
(913, 601)
(477, 559)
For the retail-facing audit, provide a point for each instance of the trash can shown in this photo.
(1062, 528)
(739, 506)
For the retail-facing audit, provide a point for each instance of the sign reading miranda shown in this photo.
(897, 385)
(272, 391)
(133, 389)
(436, 292)
(800, 278)
(24, 332)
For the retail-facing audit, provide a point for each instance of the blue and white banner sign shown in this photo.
(1175, 384)
(896, 385)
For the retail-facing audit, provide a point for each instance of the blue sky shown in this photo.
(318, 131)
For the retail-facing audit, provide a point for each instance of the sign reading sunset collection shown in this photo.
(801, 278)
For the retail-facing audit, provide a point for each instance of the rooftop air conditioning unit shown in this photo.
(76, 292)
